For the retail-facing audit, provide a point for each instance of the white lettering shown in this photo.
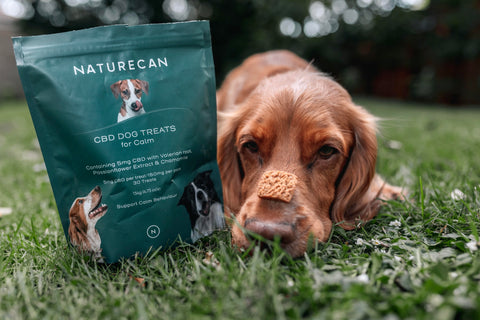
(100, 65)
(164, 62)
(112, 69)
(131, 65)
(152, 64)
(90, 69)
(121, 66)
(81, 70)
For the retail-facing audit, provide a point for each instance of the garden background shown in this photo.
(419, 50)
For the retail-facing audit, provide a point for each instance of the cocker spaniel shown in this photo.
(296, 155)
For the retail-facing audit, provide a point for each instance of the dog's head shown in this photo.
(130, 91)
(84, 214)
(296, 157)
(198, 196)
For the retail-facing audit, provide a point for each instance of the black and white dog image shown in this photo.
(203, 205)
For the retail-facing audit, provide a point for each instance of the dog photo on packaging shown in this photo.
(203, 206)
(84, 215)
(130, 90)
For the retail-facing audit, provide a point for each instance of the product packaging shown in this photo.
(126, 120)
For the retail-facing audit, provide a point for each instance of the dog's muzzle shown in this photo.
(136, 106)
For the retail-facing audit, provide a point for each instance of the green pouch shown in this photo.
(126, 120)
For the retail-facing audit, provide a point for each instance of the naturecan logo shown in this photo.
(120, 66)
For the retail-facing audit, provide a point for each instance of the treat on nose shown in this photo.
(277, 185)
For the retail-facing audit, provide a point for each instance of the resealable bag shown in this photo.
(126, 120)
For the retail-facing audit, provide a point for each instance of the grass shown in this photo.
(416, 260)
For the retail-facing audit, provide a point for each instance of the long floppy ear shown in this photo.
(78, 237)
(229, 164)
(355, 201)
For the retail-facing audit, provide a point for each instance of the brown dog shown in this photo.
(83, 215)
(295, 153)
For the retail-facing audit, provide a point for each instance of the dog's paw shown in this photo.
(386, 192)
(389, 192)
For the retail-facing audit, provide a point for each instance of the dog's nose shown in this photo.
(137, 105)
(271, 230)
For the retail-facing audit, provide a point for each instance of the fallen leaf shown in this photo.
(210, 260)
(140, 281)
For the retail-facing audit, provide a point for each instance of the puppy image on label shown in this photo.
(130, 90)
(203, 206)
(84, 215)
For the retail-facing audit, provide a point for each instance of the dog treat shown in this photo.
(126, 120)
(277, 185)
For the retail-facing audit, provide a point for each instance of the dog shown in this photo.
(296, 155)
(203, 206)
(130, 91)
(84, 215)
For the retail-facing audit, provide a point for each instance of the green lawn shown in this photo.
(416, 260)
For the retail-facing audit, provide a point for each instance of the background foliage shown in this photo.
(410, 49)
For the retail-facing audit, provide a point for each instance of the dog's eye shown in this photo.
(327, 151)
(251, 146)
(80, 201)
(137, 91)
(125, 92)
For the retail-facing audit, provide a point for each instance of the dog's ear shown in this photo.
(355, 202)
(228, 161)
(144, 85)
(211, 186)
(187, 194)
(116, 89)
(78, 236)
(73, 232)
(183, 199)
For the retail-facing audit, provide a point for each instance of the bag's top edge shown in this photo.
(115, 27)
(111, 38)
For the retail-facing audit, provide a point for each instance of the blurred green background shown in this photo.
(420, 50)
